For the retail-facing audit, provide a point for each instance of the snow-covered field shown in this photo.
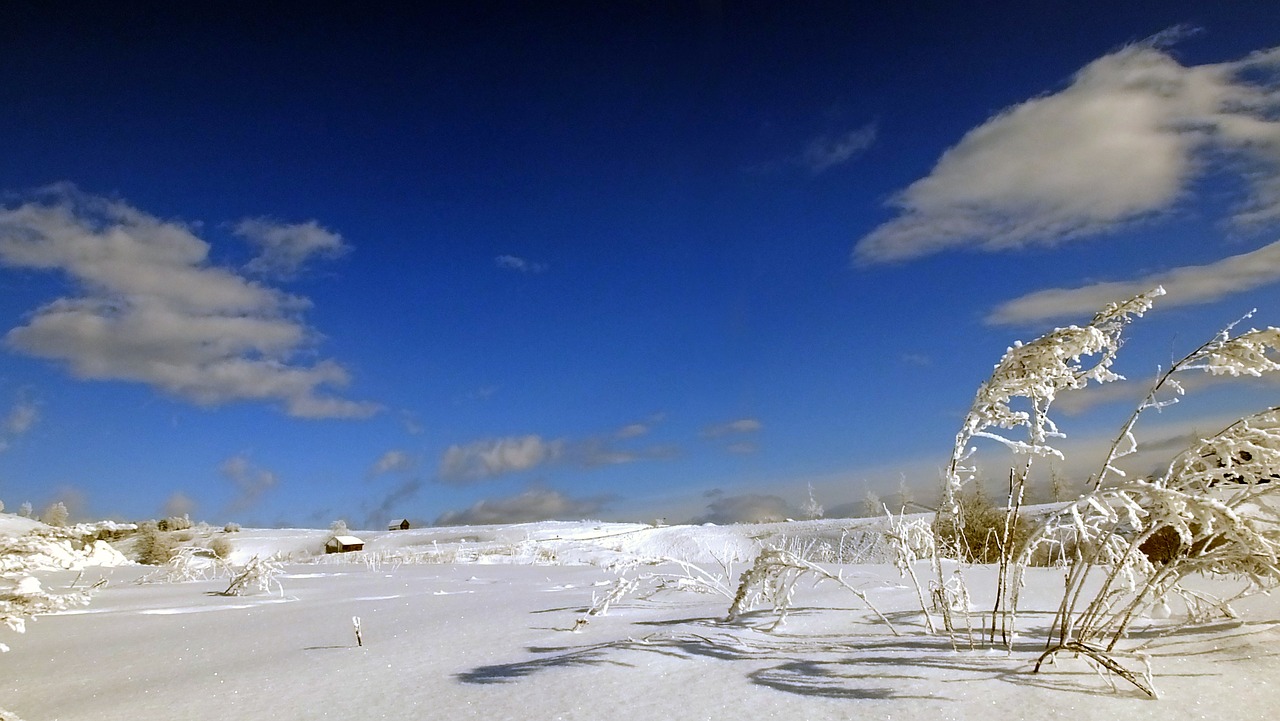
(461, 623)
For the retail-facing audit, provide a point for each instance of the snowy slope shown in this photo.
(489, 639)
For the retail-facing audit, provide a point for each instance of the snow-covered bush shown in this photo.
(221, 547)
(231, 528)
(174, 523)
(153, 546)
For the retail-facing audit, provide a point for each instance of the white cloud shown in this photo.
(742, 425)
(828, 151)
(152, 309)
(1120, 143)
(633, 430)
(511, 262)
(285, 247)
(1187, 285)
(249, 481)
(488, 458)
(534, 504)
(392, 461)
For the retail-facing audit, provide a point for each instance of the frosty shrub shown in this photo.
(339, 527)
(231, 528)
(25, 509)
(1, 506)
(153, 546)
(221, 547)
(175, 523)
(983, 528)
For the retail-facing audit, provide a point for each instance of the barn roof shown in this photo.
(346, 540)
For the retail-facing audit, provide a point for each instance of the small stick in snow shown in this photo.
(355, 621)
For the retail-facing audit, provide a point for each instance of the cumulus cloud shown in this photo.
(1120, 143)
(534, 504)
(250, 481)
(742, 425)
(493, 457)
(152, 309)
(746, 508)
(511, 262)
(828, 151)
(284, 248)
(393, 461)
(1187, 285)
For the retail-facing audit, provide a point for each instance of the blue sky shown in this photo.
(508, 261)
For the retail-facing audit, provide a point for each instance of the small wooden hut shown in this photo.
(343, 544)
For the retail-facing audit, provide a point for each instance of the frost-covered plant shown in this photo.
(647, 583)
(1207, 513)
(260, 574)
(187, 564)
(231, 528)
(772, 580)
(911, 541)
(812, 509)
(1025, 383)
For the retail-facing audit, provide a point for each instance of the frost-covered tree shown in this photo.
(25, 509)
(339, 527)
(56, 515)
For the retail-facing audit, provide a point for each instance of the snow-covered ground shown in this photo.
(461, 623)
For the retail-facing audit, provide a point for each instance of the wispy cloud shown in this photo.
(249, 481)
(511, 262)
(535, 504)
(828, 151)
(1187, 285)
(393, 461)
(22, 416)
(284, 248)
(742, 425)
(1121, 142)
(488, 458)
(152, 309)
